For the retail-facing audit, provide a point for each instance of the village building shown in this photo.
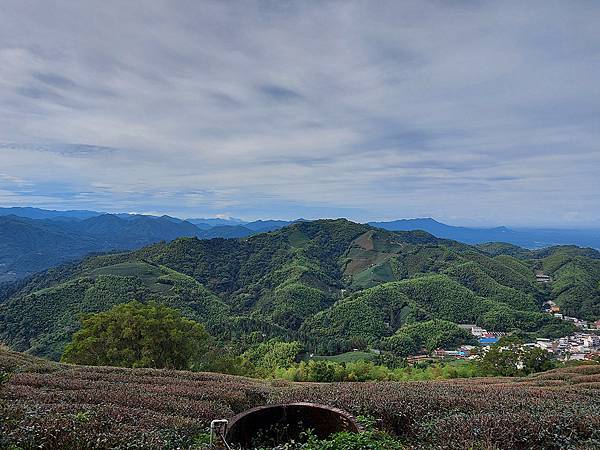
(541, 277)
(474, 329)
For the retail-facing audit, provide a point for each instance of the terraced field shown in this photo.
(50, 405)
(150, 276)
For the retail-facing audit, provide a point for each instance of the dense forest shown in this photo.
(332, 285)
(32, 240)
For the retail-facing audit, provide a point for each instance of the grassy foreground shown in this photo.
(51, 405)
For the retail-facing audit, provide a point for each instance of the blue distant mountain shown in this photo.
(31, 245)
(37, 213)
(529, 238)
(32, 239)
(216, 221)
(267, 225)
(236, 227)
(227, 231)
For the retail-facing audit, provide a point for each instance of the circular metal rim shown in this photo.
(338, 411)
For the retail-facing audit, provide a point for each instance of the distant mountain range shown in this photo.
(33, 239)
(524, 237)
(217, 222)
(37, 213)
(31, 245)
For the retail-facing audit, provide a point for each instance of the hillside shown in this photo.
(151, 409)
(32, 245)
(332, 284)
(32, 240)
(28, 246)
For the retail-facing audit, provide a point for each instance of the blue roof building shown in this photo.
(488, 340)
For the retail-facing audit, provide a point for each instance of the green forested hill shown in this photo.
(333, 284)
(576, 279)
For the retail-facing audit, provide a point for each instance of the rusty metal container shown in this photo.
(277, 424)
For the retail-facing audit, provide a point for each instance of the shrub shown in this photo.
(412, 339)
(514, 359)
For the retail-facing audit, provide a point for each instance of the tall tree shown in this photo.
(138, 335)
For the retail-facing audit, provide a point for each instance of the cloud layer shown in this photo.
(471, 112)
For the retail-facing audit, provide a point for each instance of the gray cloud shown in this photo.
(279, 93)
(55, 80)
(70, 150)
(472, 112)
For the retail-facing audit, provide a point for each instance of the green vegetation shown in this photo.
(576, 287)
(331, 285)
(113, 407)
(371, 440)
(471, 275)
(415, 338)
(511, 358)
(357, 321)
(330, 371)
(273, 354)
(346, 357)
(137, 335)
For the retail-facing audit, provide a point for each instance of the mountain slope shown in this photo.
(28, 246)
(575, 275)
(32, 245)
(37, 239)
(333, 284)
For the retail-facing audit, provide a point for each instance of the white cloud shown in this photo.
(484, 111)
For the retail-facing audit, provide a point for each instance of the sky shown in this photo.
(471, 112)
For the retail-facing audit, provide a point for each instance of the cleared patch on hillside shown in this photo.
(150, 275)
(366, 262)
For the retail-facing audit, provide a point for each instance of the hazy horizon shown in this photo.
(244, 220)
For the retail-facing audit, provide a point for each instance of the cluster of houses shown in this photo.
(585, 344)
(581, 324)
(578, 346)
(484, 336)
(464, 351)
(554, 309)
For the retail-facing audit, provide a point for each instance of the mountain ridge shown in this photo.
(304, 280)
(84, 232)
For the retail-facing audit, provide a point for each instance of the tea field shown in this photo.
(51, 405)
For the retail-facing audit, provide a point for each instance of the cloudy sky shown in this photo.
(472, 112)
